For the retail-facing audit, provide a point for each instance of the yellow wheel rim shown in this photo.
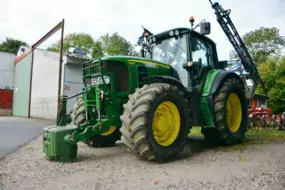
(166, 123)
(234, 112)
(109, 131)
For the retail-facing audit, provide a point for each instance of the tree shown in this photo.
(11, 45)
(98, 50)
(106, 45)
(262, 44)
(74, 40)
(133, 52)
(272, 73)
(115, 44)
(265, 46)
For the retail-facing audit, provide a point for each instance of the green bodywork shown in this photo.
(207, 116)
(209, 81)
(104, 104)
(110, 105)
(59, 142)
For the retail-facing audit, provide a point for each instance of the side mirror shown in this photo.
(222, 64)
(205, 28)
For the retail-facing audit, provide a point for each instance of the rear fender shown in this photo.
(213, 81)
(219, 79)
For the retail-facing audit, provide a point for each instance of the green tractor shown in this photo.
(151, 102)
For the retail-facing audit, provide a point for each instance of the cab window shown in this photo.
(201, 52)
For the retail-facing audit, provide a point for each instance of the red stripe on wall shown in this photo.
(18, 59)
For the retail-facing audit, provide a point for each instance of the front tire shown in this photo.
(230, 114)
(155, 122)
(108, 138)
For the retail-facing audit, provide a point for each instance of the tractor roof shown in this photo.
(181, 29)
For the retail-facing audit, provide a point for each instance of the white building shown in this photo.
(7, 70)
(36, 94)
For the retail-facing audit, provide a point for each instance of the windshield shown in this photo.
(174, 53)
(170, 51)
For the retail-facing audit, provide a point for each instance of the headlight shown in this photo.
(176, 32)
(171, 33)
(107, 79)
(154, 39)
(98, 80)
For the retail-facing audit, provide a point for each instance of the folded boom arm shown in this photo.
(223, 18)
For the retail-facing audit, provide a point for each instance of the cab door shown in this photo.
(203, 59)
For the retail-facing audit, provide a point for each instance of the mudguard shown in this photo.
(213, 81)
(220, 77)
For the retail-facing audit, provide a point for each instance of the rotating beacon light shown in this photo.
(192, 20)
(146, 34)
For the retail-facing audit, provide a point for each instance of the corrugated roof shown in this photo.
(75, 56)
(18, 59)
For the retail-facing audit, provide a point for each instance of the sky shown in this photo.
(29, 20)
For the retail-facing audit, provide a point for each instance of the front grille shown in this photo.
(96, 68)
(115, 70)
(91, 69)
(120, 74)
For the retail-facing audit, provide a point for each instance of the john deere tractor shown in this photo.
(151, 102)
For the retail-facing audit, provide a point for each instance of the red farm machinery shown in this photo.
(259, 117)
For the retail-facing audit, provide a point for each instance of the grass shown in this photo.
(195, 131)
(253, 137)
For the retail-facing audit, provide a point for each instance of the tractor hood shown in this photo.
(133, 60)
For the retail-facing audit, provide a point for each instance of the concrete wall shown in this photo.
(22, 86)
(44, 84)
(7, 69)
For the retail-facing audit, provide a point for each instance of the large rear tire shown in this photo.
(155, 122)
(108, 138)
(230, 114)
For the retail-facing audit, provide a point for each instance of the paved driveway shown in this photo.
(15, 132)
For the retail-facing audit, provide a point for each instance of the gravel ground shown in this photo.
(115, 168)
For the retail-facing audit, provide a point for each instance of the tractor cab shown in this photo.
(190, 53)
